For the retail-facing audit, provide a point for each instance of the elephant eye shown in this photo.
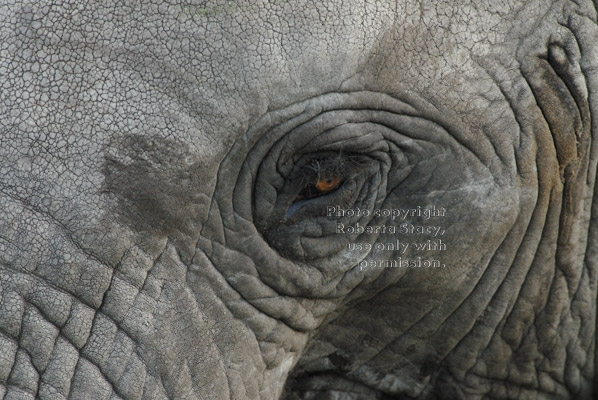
(328, 184)
(320, 179)
(320, 187)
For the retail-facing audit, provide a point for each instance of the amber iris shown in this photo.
(319, 188)
(328, 184)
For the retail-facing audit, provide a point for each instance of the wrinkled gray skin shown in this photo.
(150, 153)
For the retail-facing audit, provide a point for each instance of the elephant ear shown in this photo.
(559, 71)
(556, 80)
(560, 90)
(558, 68)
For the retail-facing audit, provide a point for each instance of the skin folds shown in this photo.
(168, 171)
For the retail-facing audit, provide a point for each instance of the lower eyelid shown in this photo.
(296, 206)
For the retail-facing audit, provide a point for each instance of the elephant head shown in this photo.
(298, 199)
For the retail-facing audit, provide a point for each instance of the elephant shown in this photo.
(297, 199)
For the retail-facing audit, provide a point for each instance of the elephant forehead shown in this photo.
(208, 69)
(246, 57)
(90, 86)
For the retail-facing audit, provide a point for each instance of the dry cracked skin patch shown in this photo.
(220, 199)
